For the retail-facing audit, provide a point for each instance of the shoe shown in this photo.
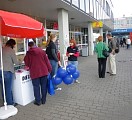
(108, 72)
(76, 81)
(43, 102)
(112, 74)
(58, 88)
(15, 104)
(38, 104)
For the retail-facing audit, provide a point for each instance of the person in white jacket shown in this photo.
(128, 42)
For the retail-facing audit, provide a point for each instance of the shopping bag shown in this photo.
(51, 90)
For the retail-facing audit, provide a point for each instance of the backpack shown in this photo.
(117, 47)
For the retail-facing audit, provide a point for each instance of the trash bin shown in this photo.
(85, 50)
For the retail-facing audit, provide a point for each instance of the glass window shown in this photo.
(82, 7)
(104, 4)
(87, 6)
(91, 6)
(95, 9)
(127, 21)
(112, 15)
(107, 9)
(99, 11)
(68, 0)
(42, 42)
(52, 25)
(75, 2)
(131, 21)
(20, 47)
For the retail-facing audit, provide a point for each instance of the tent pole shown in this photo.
(5, 103)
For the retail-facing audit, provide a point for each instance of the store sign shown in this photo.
(120, 30)
(98, 24)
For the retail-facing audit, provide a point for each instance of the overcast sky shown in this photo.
(122, 7)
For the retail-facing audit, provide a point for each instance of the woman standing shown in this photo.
(9, 58)
(101, 58)
(51, 51)
(73, 53)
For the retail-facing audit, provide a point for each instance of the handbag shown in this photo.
(51, 90)
(105, 52)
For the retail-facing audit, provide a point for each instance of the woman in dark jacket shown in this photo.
(51, 51)
(101, 58)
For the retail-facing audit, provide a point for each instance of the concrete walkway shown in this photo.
(93, 99)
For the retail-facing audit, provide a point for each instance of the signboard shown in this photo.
(122, 30)
(98, 24)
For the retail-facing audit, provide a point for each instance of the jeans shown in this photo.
(8, 77)
(102, 67)
(40, 84)
(74, 63)
(54, 65)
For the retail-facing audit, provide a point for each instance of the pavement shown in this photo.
(94, 98)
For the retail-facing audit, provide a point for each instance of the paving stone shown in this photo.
(93, 99)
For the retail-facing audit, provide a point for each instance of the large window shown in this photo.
(95, 9)
(82, 7)
(107, 9)
(87, 6)
(91, 7)
(99, 11)
(75, 2)
(104, 4)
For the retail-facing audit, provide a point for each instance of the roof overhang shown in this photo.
(47, 9)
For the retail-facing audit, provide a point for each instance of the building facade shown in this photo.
(123, 27)
(67, 18)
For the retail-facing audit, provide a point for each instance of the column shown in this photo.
(101, 31)
(106, 37)
(90, 38)
(63, 30)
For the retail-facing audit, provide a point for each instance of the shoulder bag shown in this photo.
(105, 52)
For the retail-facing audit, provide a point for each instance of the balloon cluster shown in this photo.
(67, 75)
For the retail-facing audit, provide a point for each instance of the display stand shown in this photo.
(22, 88)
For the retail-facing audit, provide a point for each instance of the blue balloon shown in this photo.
(71, 69)
(57, 80)
(61, 72)
(69, 65)
(76, 74)
(68, 80)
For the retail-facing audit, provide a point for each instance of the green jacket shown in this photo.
(98, 49)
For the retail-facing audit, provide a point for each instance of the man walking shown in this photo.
(111, 58)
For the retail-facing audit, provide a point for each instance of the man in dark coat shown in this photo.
(39, 67)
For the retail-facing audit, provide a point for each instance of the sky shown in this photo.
(122, 7)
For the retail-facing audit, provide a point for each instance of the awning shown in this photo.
(20, 26)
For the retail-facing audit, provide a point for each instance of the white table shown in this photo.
(22, 88)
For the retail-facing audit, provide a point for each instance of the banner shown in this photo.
(98, 24)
